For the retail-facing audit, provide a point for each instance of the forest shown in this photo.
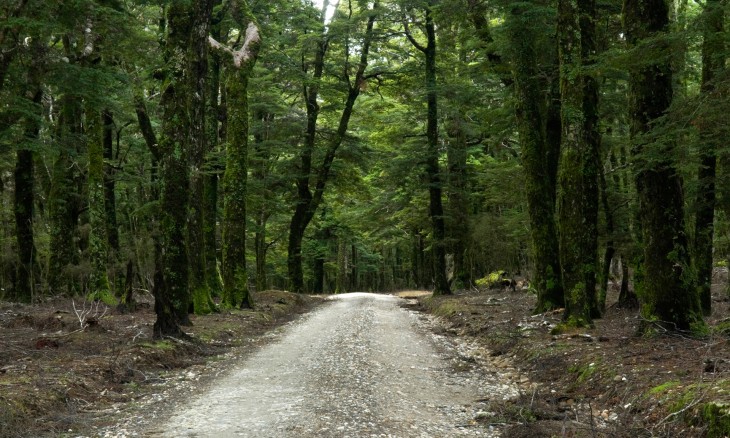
(202, 150)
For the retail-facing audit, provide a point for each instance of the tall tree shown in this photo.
(537, 149)
(667, 290)
(433, 172)
(309, 198)
(713, 63)
(242, 60)
(98, 241)
(198, 83)
(172, 298)
(578, 175)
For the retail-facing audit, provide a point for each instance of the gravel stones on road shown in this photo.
(360, 366)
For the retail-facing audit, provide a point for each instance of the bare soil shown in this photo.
(74, 368)
(602, 382)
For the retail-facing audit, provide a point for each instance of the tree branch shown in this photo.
(247, 52)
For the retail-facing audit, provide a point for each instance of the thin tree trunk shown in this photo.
(610, 250)
(713, 61)
(458, 205)
(98, 241)
(211, 177)
(341, 282)
(433, 172)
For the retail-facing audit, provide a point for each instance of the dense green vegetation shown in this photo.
(204, 148)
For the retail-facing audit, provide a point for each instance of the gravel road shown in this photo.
(359, 366)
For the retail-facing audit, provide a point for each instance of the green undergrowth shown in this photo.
(445, 306)
(705, 406)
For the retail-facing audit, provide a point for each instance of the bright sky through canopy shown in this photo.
(330, 9)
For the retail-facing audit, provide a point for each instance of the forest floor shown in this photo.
(57, 379)
(602, 382)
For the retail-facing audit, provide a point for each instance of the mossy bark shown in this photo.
(713, 64)
(578, 174)
(172, 297)
(235, 277)
(667, 291)
(531, 125)
(202, 301)
(63, 198)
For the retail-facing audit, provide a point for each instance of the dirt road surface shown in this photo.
(359, 366)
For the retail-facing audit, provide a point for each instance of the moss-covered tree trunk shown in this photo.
(667, 290)
(202, 302)
(172, 298)
(240, 65)
(578, 174)
(63, 198)
(531, 125)
(713, 63)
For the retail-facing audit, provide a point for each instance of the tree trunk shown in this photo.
(538, 175)
(578, 194)
(261, 248)
(235, 277)
(110, 200)
(260, 173)
(62, 197)
(234, 272)
(211, 177)
(341, 282)
(713, 62)
(98, 241)
(173, 298)
(308, 200)
(610, 250)
(24, 200)
(199, 290)
(667, 290)
(433, 172)
(458, 205)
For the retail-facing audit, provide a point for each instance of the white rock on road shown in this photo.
(359, 366)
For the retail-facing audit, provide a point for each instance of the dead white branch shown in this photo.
(246, 52)
(89, 311)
